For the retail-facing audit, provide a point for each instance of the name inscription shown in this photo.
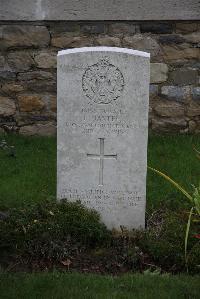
(109, 120)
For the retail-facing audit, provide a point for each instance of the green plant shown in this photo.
(51, 230)
(194, 200)
(163, 240)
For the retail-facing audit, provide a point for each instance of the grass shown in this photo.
(61, 285)
(31, 176)
(173, 155)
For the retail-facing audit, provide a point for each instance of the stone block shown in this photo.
(64, 27)
(25, 119)
(156, 28)
(35, 75)
(175, 93)
(193, 37)
(118, 28)
(192, 53)
(7, 107)
(143, 43)
(153, 90)
(30, 103)
(175, 54)
(20, 61)
(95, 28)
(158, 72)
(46, 59)
(12, 88)
(108, 41)
(193, 109)
(192, 126)
(66, 41)
(169, 125)
(7, 75)
(171, 39)
(169, 109)
(196, 93)
(45, 129)
(184, 76)
(41, 86)
(12, 36)
(185, 27)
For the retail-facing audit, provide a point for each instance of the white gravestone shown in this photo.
(103, 95)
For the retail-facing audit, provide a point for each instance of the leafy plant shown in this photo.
(51, 230)
(163, 240)
(194, 200)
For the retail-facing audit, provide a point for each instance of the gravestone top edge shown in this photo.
(104, 49)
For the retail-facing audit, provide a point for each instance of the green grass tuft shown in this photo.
(31, 176)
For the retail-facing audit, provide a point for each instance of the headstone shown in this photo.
(103, 95)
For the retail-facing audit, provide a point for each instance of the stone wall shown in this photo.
(28, 69)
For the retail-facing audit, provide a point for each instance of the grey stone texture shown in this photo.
(168, 124)
(94, 10)
(121, 27)
(171, 39)
(102, 132)
(186, 27)
(175, 93)
(93, 28)
(19, 61)
(156, 28)
(12, 36)
(44, 129)
(8, 107)
(159, 72)
(46, 59)
(109, 41)
(28, 65)
(67, 41)
(184, 76)
(169, 109)
(143, 42)
(196, 93)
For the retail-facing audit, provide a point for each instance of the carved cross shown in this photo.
(101, 158)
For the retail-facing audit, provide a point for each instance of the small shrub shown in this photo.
(164, 242)
(51, 230)
(193, 199)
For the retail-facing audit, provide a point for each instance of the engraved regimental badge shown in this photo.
(103, 82)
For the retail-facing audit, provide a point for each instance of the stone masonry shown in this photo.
(28, 69)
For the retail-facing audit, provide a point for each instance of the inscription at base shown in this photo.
(103, 199)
